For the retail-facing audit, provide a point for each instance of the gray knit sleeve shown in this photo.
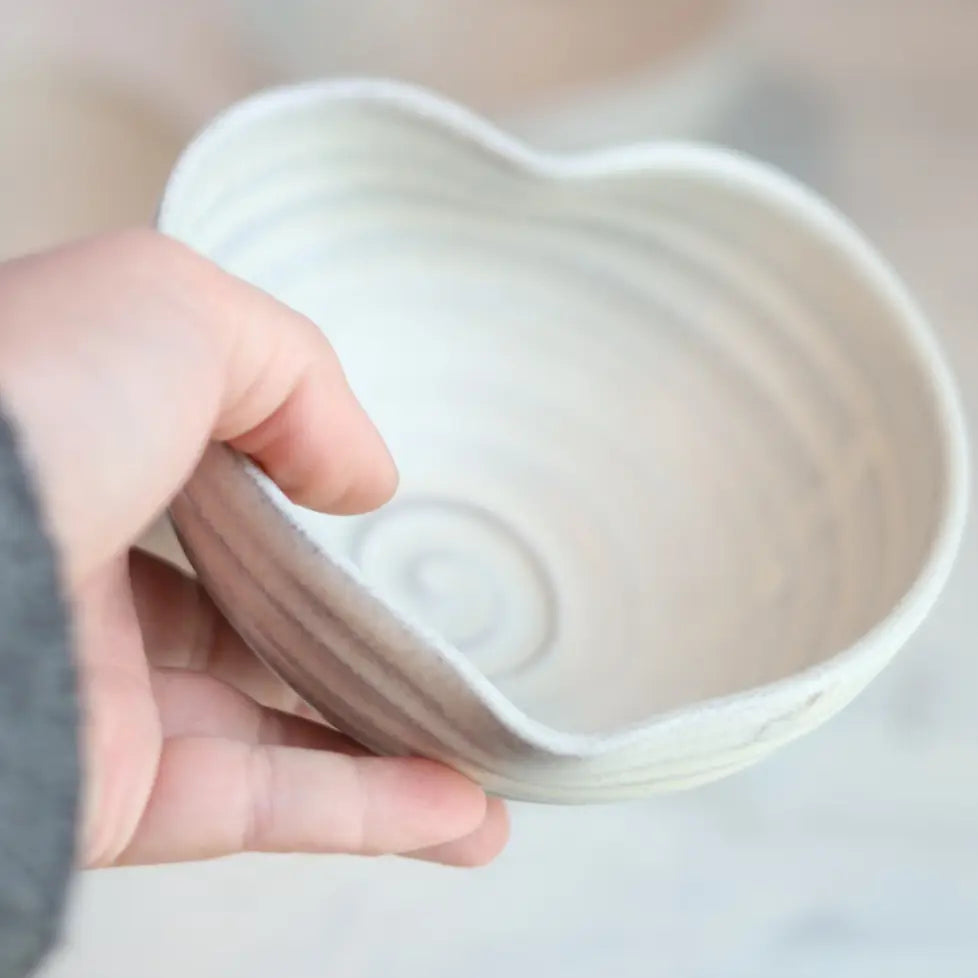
(39, 766)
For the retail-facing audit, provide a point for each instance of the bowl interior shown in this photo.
(659, 442)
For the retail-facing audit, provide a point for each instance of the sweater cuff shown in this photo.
(39, 753)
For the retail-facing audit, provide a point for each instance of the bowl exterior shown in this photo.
(374, 679)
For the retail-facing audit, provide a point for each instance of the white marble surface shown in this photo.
(854, 853)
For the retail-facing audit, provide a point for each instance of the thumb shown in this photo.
(122, 356)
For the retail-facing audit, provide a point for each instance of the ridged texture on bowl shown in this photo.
(680, 466)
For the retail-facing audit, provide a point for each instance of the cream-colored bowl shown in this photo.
(682, 466)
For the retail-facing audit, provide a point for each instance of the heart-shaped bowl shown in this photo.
(681, 464)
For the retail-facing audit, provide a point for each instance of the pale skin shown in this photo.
(121, 357)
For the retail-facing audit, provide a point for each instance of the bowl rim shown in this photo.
(850, 668)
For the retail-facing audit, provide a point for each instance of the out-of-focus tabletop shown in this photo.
(853, 853)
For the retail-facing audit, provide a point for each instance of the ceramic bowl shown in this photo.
(682, 466)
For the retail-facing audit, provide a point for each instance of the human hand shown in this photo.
(121, 357)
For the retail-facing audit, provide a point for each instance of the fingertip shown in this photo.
(371, 493)
(340, 461)
(450, 804)
(323, 451)
(477, 849)
(410, 803)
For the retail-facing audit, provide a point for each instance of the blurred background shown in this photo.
(853, 853)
